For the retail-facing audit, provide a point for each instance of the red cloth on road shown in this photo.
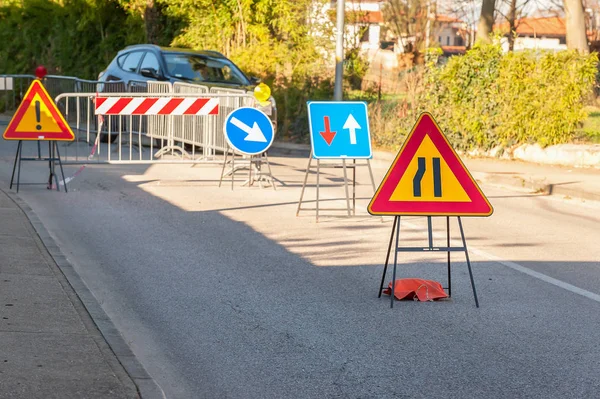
(416, 289)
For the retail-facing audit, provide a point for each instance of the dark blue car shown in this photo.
(146, 62)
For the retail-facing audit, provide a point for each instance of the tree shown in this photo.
(575, 23)
(407, 20)
(151, 13)
(486, 21)
(512, 11)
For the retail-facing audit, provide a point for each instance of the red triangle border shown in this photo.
(37, 88)
(426, 126)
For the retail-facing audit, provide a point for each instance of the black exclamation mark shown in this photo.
(37, 115)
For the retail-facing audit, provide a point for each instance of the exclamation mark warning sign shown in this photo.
(38, 118)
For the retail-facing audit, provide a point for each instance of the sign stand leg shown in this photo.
(52, 165)
(372, 180)
(255, 164)
(387, 258)
(224, 164)
(232, 167)
(15, 164)
(250, 170)
(350, 201)
(318, 174)
(270, 173)
(62, 172)
(462, 234)
(449, 268)
(430, 233)
(431, 248)
(258, 165)
(346, 187)
(310, 158)
(354, 187)
(49, 187)
(395, 263)
(19, 165)
(371, 175)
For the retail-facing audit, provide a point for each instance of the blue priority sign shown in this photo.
(249, 131)
(339, 129)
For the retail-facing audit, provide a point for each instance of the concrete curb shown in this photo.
(570, 155)
(146, 385)
(538, 186)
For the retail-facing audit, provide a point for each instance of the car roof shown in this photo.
(175, 50)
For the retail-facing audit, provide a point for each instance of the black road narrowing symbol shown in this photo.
(437, 177)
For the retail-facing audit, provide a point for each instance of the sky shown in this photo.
(468, 10)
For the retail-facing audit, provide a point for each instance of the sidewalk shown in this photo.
(551, 180)
(49, 345)
(581, 183)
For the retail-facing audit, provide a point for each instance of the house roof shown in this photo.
(544, 26)
(453, 50)
(365, 17)
(447, 19)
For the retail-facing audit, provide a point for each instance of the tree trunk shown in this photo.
(428, 26)
(575, 21)
(512, 24)
(486, 21)
(152, 22)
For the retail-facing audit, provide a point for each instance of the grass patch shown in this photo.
(591, 127)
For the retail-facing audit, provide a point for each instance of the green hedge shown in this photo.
(488, 98)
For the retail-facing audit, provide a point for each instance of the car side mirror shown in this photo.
(254, 80)
(149, 73)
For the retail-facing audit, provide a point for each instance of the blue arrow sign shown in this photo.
(339, 129)
(249, 131)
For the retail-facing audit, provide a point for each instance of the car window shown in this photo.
(150, 62)
(200, 68)
(132, 61)
(121, 60)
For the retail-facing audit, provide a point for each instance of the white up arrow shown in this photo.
(254, 132)
(351, 124)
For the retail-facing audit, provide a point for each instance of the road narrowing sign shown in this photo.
(339, 129)
(427, 178)
(38, 118)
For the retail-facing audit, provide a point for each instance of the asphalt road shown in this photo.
(226, 294)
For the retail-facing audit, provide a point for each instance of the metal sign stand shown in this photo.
(53, 156)
(351, 210)
(254, 163)
(447, 248)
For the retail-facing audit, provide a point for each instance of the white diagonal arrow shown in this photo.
(351, 124)
(254, 132)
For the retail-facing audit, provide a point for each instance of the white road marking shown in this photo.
(517, 267)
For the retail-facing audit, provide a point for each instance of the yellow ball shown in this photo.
(262, 92)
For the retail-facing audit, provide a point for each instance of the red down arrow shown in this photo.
(328, 135)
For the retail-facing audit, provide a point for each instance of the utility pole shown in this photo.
(339, 51)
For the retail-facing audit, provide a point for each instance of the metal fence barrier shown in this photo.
(145, 138)
(12, 90)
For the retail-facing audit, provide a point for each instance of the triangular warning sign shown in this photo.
(427, 178)
(38, 118)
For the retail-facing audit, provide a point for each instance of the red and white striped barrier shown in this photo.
(156, 106)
